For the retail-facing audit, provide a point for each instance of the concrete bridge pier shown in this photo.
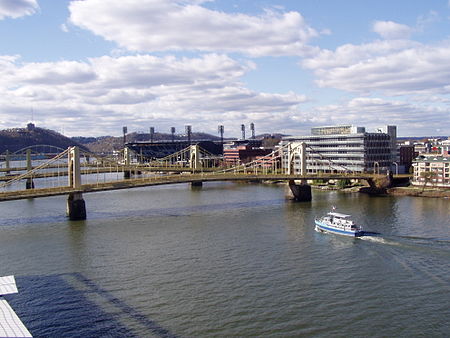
(29, 182)
(196, 184)
(76, 206)
(300, 192)
(128, 173)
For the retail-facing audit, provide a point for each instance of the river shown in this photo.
(227, 260)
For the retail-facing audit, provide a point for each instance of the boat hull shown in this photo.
(326, 228)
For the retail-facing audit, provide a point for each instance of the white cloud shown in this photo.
(391, 67)
(64, 28)
(392, 30)
(162, 25)
(99, 96)
(17, 8)
(424, 21)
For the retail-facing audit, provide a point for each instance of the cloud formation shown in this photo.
(390, 67)
(136, 90)
(17, 8)
(172, 25)
(392, 30)
(392, 79)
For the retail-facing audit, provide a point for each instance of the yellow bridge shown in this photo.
(63, 174)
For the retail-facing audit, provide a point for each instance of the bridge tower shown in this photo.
(302, 191)
(195, 162)
(76, 207)
(29, 183)
(126, 162)
(296, 150)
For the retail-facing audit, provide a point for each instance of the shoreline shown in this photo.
(394, 191)
(417, 192)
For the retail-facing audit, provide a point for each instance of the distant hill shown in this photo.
(17, 138)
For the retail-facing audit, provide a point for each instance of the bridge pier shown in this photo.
(76, 207)
(300, 192)
(29, 184)
(128, 173)
(196, 184)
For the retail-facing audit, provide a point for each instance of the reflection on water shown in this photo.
(227, 260)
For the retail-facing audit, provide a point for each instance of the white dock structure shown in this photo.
(10, 324)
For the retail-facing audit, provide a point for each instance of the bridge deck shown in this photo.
(169, 179)
(101, 170)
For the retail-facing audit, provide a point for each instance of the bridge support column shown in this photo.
(196, 184)
(128, 173)
(300, 192)
(29, 183)
(76, 207)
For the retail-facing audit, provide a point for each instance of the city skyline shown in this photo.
(87, 68)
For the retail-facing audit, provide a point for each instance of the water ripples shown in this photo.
(230, 260)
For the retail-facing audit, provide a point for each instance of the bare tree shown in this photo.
(427, 176)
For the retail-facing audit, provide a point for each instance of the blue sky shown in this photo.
(90, 67)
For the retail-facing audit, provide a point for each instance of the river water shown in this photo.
(227, 260)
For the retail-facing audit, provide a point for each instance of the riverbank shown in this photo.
(394, 191)
(419, 192)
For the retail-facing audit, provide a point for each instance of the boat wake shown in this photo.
(440, 246)
(377, 239)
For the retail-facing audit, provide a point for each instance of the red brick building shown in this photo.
(243, 154)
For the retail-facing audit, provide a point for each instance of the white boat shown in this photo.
(338, 223)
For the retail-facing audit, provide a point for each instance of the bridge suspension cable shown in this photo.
(30, 173)
(260, 162)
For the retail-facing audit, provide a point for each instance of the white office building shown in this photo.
(346, 148)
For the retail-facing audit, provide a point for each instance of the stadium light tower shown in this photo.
(152, 132)
(172, 131)
(221, 129)
(243, 131)
(188, 129)
(125, 130)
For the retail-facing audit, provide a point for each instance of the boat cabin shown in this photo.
(340, 220)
